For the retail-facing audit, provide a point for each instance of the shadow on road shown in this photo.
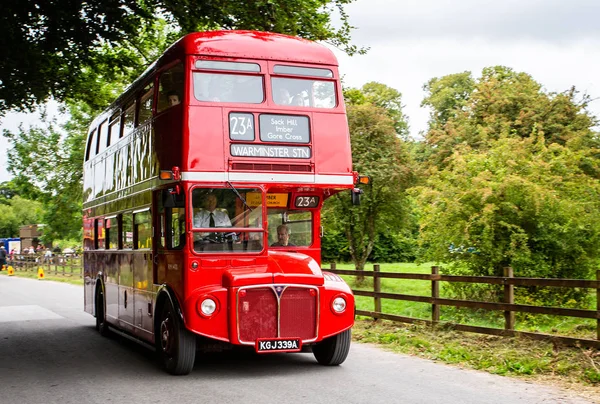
(56, 348)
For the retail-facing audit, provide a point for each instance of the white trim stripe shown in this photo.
(268, 177)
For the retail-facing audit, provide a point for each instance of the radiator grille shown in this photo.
(298, 313)
(260, 316)
(257, 314)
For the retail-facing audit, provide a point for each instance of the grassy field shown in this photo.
(559, 325)
(568, 367)
(48, 276)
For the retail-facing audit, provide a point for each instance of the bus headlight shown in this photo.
(208, 307)
(339, 304)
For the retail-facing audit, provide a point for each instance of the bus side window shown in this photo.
(145, 105)
(91, 148)
(177, 222)
(174, 205)
(127, 233)
(111, 224)
(128, 118)
(170, 88)
(99, 233)
(142, 230)
(103, 137)
(114, 132)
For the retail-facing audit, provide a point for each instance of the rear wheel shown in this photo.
(175, 345)
(333, 351)
(101, 324)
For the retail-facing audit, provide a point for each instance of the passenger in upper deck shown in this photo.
(173, 98)
(210, 216)
(282, 96)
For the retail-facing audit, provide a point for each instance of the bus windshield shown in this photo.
(227, 220)
(289, 228)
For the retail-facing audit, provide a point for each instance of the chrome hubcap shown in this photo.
(165, 333)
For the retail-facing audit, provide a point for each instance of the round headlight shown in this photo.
(339, 304)
(208, 307)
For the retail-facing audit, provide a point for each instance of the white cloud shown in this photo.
(412, 41)
(501, 21)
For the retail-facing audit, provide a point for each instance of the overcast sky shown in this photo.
(412, 41)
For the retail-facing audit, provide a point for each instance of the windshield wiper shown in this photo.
(239, 196)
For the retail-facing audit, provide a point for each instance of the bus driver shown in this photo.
(210, 216)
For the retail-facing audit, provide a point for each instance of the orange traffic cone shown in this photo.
(40, 273)
(11, 271)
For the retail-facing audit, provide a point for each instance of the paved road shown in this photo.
(51, 353)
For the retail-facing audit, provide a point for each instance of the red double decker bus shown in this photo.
(203, 185)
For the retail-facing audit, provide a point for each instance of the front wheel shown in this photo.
(101, 324)
(333, 351)
(175, 345)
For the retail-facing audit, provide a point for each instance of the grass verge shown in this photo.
(74, 279)
(574, 368)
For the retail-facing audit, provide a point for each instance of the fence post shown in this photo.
(435, 294)
(376, 288)
(333, 266)
(598, 305)
(509, 298)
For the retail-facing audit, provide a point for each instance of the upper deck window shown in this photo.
(103, 139)
(91, 149)
(233, 66)
(222, 87)
(170, 89)
(145, 105)
(115, 128)
(128, 118)
(303, 92)
(302, 71)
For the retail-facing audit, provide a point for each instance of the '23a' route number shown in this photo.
(307, 201)
(241, 126)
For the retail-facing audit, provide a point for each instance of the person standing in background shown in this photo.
(2, 256)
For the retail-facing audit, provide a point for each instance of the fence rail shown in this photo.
(58, 265)
(508, 306)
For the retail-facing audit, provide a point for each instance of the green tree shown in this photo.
(502, 103)
(513, 179)
(46, 165)
(379, 153)
(55, 46)
(382, 96)
(18, 212)
(521, 203)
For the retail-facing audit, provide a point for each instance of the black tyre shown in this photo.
(101, 324)
(175, 346)
(333, 351)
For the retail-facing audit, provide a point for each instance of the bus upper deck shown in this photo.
(219, 108)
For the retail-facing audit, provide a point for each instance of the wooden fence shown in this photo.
(59, 265)
(508, 305)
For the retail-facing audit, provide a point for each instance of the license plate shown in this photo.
(278, 345)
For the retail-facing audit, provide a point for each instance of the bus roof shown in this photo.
(254, 45)
(234, 43)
